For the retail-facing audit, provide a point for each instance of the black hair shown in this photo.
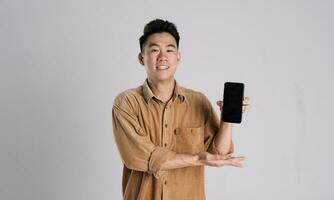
(158, 26)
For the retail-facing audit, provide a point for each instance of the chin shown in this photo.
(164, 78)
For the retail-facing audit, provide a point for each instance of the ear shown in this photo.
(178, 56)
(141, 58)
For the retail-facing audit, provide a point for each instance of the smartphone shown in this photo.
(233, 98)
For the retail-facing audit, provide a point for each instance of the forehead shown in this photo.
(162, 39)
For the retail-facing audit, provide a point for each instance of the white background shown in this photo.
(64, 61)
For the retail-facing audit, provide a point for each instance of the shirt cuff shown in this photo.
(159, 156)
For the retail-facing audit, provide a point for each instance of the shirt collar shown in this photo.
(178, 92)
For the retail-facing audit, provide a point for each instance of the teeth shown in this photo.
(162, 67)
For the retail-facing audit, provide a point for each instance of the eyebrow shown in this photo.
(154, 44)
(171, 45)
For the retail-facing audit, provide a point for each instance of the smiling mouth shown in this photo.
(162, 67)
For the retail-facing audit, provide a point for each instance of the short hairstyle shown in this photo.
(158, 26)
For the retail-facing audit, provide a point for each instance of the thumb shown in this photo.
(220, 103)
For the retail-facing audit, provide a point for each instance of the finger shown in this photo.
(220, 103)
(220, 163)
(229, 160)
(215, 163)
(234, 163)
(238, 158)
(215, 157)
(231, 163)
(245, 108)
(246, 101)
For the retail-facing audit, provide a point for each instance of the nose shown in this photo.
(162, 56)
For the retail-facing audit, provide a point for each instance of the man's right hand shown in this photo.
(217, 160)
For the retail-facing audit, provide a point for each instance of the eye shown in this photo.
(170, 50)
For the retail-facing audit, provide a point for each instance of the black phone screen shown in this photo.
(233, 98)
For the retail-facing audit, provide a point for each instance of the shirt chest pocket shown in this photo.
(188, 140)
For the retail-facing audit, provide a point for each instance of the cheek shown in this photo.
(150, 61)
(174, 59)
(148, 58)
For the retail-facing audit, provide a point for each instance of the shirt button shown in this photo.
(166, 125)
(165, 183)
(165, 144)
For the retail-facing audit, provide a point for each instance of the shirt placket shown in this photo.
(166, 127)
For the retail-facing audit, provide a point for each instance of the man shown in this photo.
(166, 133)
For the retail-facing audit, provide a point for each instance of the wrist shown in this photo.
(197, 160)
(190, 160)
(225, 124)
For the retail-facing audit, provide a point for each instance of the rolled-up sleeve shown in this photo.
(136, 149)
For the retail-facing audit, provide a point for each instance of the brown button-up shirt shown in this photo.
(148, 131)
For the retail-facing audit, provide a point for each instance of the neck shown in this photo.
(162, 90)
